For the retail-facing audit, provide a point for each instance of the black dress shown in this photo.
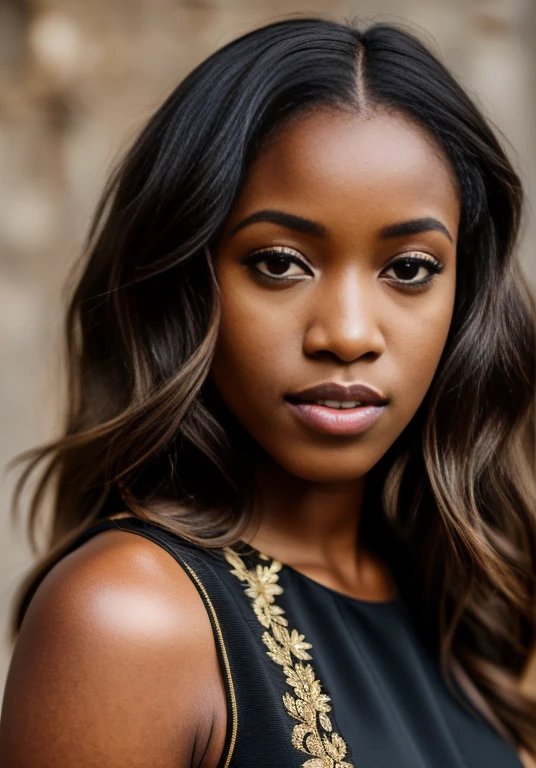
(318, 679)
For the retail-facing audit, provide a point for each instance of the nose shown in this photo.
(344, 320)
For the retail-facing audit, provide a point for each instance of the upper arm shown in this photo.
(110, 667)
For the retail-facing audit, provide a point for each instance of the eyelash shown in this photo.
(434, 266)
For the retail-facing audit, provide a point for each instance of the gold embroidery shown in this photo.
(314, 733)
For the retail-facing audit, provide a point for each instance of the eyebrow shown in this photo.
(413, 227)
(309, 227)
(288, 220)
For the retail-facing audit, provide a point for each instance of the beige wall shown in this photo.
(76, 81)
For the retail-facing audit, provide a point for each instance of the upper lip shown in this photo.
(330, 390)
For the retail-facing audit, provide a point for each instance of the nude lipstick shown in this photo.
(338, 409)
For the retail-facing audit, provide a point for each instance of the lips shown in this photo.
(339, 393)
(338, 409)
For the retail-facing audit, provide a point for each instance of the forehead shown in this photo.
(333, 164)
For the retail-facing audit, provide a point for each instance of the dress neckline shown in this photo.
(314, 583)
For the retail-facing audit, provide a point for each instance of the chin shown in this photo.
(328, 467)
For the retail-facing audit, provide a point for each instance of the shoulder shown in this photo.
(122, 586)
(112, 568)
(115, 661)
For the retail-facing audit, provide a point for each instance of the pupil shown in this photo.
(406, 270)
(278, 265)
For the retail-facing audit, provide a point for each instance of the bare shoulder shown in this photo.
(115, 664)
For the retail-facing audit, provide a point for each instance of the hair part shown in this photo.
(453, 499)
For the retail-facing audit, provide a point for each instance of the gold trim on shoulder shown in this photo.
(234, 708)
(314, 733)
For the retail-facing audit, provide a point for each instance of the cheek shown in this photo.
(417, 345)
(256, 340)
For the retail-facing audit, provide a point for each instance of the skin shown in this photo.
(345, 317)
(115, 665)
(119, 597)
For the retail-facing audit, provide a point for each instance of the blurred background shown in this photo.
(77, 81)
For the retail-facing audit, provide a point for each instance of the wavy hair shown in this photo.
(144, 431)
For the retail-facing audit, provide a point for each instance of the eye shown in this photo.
(409, 267)
(278, 263)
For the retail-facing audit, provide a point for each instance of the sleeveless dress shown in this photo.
(318, 679)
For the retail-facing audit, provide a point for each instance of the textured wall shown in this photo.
(78, 78)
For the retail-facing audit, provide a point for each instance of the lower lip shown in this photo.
(337, 421)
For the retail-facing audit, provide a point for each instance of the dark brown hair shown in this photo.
(145, 432)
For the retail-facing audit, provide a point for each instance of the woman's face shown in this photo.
(337, 265)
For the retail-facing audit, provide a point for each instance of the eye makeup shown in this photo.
(279, 259)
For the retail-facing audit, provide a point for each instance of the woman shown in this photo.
(294, 501)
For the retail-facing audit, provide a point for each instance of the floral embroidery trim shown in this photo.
(314, 733)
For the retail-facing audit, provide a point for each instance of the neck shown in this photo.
(304, 522)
